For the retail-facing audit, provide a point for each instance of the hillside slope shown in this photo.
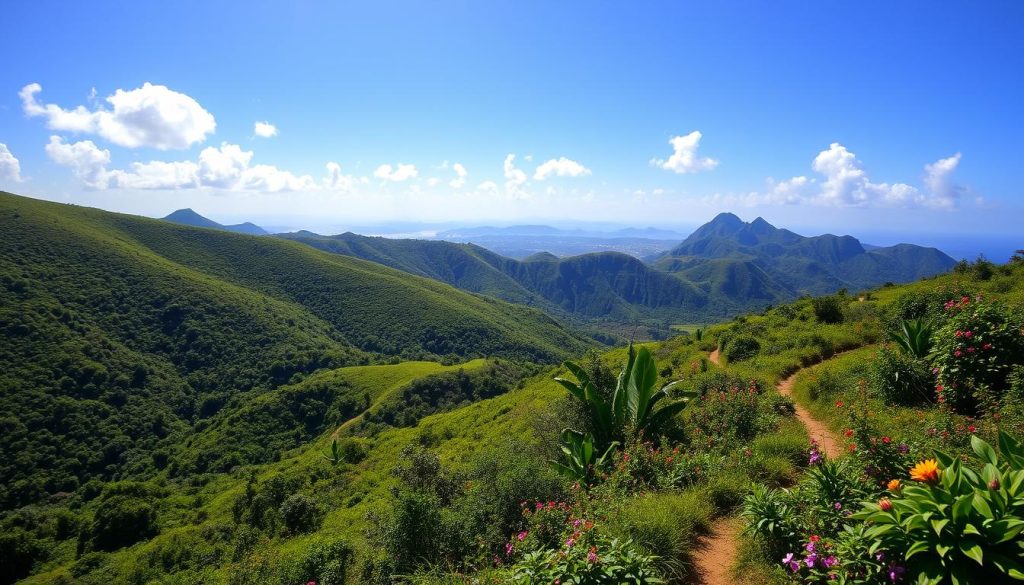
(120, 332)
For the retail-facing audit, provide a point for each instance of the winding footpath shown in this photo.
(716, 553)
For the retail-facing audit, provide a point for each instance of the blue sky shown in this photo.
(885, 117)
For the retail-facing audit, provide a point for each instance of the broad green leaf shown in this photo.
(984, 450)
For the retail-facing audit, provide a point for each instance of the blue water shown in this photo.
(997, 248)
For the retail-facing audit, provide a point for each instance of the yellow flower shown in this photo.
(895, 485)
(926, 471)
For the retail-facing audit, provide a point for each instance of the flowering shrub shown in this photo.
(730, 414)
(975, 350)
(956, 523)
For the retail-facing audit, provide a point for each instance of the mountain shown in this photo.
(120, 333)
(190, 217)
(606, 286)
(725, 267)
(795, 264)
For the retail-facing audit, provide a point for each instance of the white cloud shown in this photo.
(514, 178)
(561, 167)
(846, 183)
(684, 157)
(150, 116)
(400, 172)
(227, 167)
(488, 187)
(939, 180)
(10, 167)
(264, 129)
(460, 179)
(86, 160)
(336, 180)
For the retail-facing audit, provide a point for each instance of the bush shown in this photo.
(325, 562)
(741, 348)
(19, 551)
(122, 520)
(901, 378)
(828, 309)
(590, 560)
(666, 525)
(300, 514)
(975, 351)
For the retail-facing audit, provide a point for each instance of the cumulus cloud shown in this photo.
(460, 178)
(150, 116)
(845, 182)
(264, 129)
(86, 160)
(399, 172)
(227, 167)
(10, 167)
(938, 178)
(515, 178)
(336, 180)
(560, 167)
(684, 157)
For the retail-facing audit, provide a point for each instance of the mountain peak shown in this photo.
(188, 216)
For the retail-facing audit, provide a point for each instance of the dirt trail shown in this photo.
(715, 554)
(815, 428)
(713, 356)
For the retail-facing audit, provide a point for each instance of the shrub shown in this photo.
(590, 561)
(901, 378)
(300, 514)
(958, 523)
(19, 551)
(975, 351)
(666, 525)
(741, 348)
(325, 562)
(122, 520)
(828, 309)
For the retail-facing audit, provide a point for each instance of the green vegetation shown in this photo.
(183, 405)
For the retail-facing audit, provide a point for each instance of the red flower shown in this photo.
(886, 440)
(839, 403)
(972, 429)
(848, 432)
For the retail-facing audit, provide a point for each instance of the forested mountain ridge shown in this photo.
(119, 333)
(725, 267)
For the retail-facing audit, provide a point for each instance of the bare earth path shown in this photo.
(815, 428)
(716, 553)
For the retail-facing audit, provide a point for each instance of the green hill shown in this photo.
(120, 333)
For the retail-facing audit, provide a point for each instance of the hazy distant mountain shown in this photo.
(190, 217)
(726, 266)
(802, 265)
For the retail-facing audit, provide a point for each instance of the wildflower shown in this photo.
(789, 561)
(810, 546)
(539, 505)
(853, 448)
(839, 403)
(958, 353)
(970, 350)
(508, 548)
(625, 456)
(987, 346)
(811, 560)
(885, 504)
(896, 572)
(926, 471)
(570, 542)
(848, 433)
(592, 555)
(576, 523)
(837, 506)
(994, 484)
(904, 448)
(880, 556)
(894, 485)
(521, 536)
(972, 429)
(886, 440)
(959, 333)
(935, 371)
(968, 334)
(830, 561)
(940, 388)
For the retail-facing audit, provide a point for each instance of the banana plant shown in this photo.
(578, 451)
(914, 337)
(633, 403)
(335, 456)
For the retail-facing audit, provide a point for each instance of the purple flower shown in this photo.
(811, 560)
(810, 546)
(880, 556)
(570, 542)
(896, 572)
(904, 448)
(831, 561)
(790, 562)
(837, 506)
(508, 548)
(815, 457)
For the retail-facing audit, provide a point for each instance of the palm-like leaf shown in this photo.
(914, 337)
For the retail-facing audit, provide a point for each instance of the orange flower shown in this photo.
(895, 485)
(926, 471)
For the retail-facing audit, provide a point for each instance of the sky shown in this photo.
(888, 118)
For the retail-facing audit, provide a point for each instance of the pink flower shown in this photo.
(508, 548)
(592, 555)
(570, 542)
(958, 353)
(521, 536)
(967, 334)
